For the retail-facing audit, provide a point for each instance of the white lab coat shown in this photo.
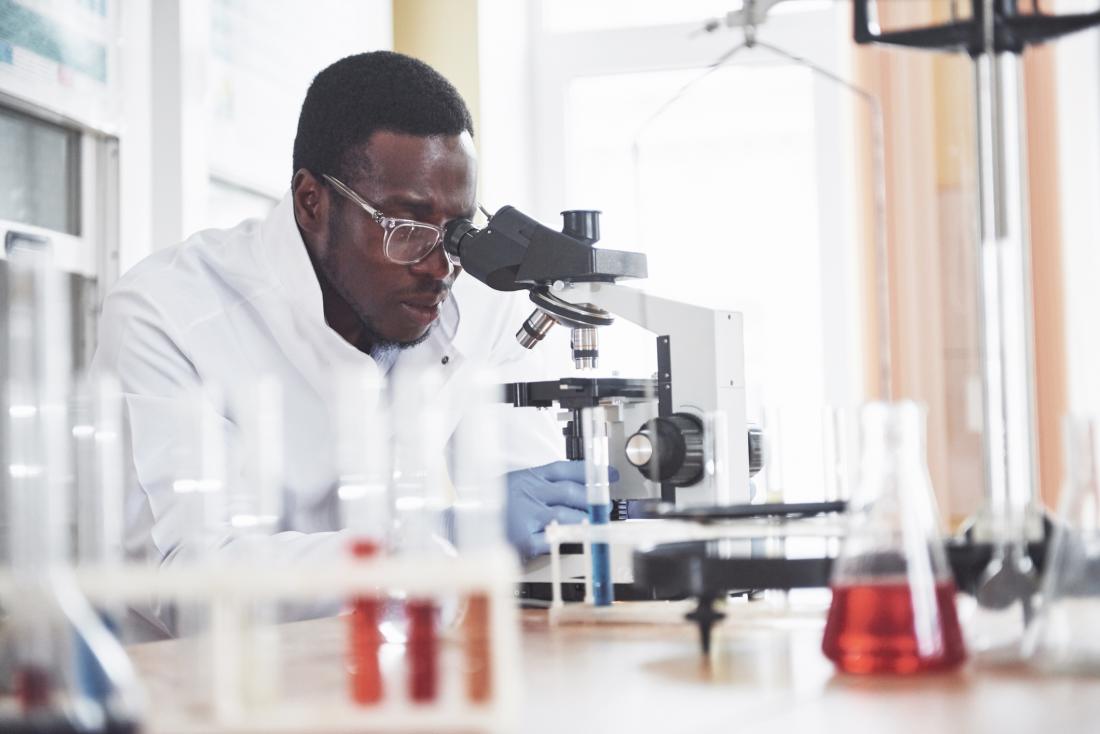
(228, 306)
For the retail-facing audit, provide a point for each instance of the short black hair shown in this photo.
(359, 95)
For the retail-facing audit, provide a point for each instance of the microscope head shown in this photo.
(514, 252)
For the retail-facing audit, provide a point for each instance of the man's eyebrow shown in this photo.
(406, 203)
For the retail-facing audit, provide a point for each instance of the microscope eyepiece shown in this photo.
(454, 233)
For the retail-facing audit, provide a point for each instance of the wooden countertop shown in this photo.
(632, 677)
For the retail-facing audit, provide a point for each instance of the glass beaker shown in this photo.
(893, 608)
(1060, 638)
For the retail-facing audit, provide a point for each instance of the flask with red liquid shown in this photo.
(893, 608)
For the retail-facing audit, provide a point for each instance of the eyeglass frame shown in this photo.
(390, 224)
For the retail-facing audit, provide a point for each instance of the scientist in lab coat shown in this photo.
(348, 270)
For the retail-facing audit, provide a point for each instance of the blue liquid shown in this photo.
(92, 679)
(603, 593)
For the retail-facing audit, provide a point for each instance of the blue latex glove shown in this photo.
(538, 496)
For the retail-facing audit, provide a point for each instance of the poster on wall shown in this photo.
(61, 55)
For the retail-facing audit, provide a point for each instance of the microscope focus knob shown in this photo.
(756, 450)
(669, 450)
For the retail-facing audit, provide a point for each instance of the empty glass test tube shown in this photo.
(254, 508)
(598, 484)
(50, 619)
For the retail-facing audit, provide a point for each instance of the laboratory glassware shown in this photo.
(479, 515)
(1062, 637)
(893, 607)
(420, 488)
(253, 511)
(363, 444)
(598, 485)
(57, 636)
(97, 437)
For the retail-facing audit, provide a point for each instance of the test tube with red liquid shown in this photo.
(893, 608)
(420, 488)
(364, 459)
(479, 516)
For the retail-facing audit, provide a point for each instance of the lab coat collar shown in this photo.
(285, 252)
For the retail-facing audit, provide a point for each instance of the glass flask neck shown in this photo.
(893, 449)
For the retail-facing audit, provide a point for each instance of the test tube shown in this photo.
(97, 432)
(363, 457)
(598, 484)
(420, 488)
(480, 496)
(254, 509)
(200, 479)
(51, 619)
(35, 459)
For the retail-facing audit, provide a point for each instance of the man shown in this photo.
(348, 271)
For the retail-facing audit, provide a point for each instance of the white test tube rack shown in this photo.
(229, 589)
(636, 534)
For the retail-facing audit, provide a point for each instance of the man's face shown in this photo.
(426, 179)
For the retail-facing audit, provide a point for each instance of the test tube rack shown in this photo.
(227, 590)
(624, 537)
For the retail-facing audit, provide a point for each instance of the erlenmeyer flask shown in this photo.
(1061, 637)
(893, 608)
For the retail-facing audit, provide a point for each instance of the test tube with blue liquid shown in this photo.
(598, 484)
(97, 432)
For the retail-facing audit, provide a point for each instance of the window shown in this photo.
(39, 181)
(740, 195)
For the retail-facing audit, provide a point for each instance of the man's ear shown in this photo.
(311, 202)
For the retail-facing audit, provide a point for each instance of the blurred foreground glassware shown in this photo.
(56, 636)
(363, 451)
(421, 488)
(479, 517)
(893, 608)
(1063, 635)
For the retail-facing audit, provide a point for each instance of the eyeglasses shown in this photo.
(406, 241)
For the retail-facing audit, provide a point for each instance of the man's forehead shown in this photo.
(400, 159)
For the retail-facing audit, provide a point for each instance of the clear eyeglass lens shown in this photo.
(408, 243)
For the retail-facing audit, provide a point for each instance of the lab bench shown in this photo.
(651, 677)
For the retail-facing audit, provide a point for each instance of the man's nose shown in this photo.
(435, 264)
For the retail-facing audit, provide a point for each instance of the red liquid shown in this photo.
(422, 651)
(32, 688)
(870, 630)
(364, 640)
(479, 678)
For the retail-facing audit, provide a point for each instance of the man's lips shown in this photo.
(424, 312)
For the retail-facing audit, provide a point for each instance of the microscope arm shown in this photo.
(706, 363)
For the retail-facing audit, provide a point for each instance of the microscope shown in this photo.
(674, 427)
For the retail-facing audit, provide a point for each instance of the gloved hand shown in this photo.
(538, 496)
